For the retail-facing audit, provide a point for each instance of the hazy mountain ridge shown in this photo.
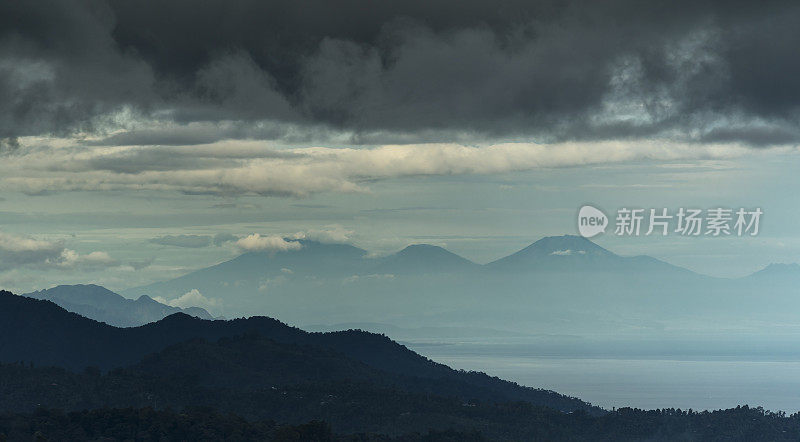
(562, 285)
(778, 270)
(570, 253)
(314, 260)
(321, 259)
(101, 304)
(396, 332)
(422, 259)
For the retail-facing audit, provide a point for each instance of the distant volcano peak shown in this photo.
(424, 249)
(565, 245)
(424, 258)
(555, 250)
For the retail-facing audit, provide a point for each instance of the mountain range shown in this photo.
(315, 259)
(101, 304)
(563, 284)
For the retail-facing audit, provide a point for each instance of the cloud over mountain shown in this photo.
(271, 243)
(331, 234)
(192, 298)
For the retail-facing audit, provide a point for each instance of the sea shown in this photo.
(646, 380)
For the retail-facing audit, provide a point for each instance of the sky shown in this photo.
(139, 141)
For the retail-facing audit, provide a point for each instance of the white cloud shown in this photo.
(21, 244)
(23, 251)
(376, 276)
(266, 284)
(332, 234)
(19, 251)
(251, 167)
(71, 259)
(567, 252)
(192, 298)
(271, 243)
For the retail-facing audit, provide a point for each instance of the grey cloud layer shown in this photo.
(190, 241)
(697, 71)
(250, 167)
(194, 241)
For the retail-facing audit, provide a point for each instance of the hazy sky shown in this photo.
(138, 142)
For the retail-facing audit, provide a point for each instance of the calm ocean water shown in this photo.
(633, 381)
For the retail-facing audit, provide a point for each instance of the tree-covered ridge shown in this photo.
(205, 424)
(46, 334)
(198, 424)
(259, 379)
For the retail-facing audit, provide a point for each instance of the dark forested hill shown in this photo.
(259, 379)
(45, 334)
(125, 405)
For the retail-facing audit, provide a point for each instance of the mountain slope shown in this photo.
(570, 253)
(423, 259)
(778, 270)
(101, 304)
(45, 334)
(248, 272)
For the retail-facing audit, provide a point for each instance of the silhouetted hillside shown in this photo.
(240, 377)
(366, 414)
(45, 334)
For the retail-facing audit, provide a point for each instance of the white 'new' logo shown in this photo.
(591, 221)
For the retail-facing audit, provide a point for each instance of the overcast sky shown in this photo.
(139, 140)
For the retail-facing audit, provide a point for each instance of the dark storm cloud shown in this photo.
(412, 70)
(9, 146)
(59, 68)
(210, 132)
(756, 136)
(170, 158)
